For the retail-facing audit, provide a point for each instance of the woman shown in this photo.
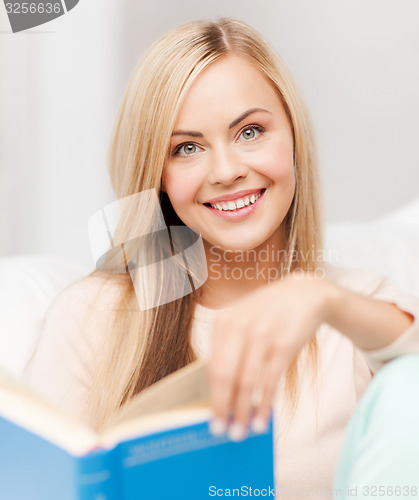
(213, 121)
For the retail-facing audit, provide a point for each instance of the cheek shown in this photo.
(180, 187)
(277, 163)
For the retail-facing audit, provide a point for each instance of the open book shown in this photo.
(157, 447)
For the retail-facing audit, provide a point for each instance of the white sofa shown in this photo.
(388, 245)
(28, 284)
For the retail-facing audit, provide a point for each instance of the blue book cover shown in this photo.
(152, 450)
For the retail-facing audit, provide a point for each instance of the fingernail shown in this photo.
(259, 425)
(218, 426)
(236, 431)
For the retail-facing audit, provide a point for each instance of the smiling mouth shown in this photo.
(235, 205)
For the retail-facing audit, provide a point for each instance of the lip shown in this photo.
(234, 196)
(241, 213)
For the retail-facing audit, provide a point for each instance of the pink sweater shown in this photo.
(307, 445)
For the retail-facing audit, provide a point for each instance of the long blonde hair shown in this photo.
(144, 346)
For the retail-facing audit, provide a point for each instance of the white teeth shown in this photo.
(239, 203)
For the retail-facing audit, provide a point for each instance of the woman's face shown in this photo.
(230, 172)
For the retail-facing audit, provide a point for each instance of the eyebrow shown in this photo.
(232, 124)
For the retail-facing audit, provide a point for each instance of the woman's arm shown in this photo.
(264, 332)
(368, 322)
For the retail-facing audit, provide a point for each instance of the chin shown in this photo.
(237, 245)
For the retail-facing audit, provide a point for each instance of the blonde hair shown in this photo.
(144, 346)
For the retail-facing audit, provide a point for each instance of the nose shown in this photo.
(226, 167)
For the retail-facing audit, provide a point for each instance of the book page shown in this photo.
(145, 413)
(185, 387)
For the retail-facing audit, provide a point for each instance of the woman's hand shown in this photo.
(262, 332)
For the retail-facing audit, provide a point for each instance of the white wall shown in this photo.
(60, 84)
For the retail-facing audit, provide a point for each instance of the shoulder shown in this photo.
(95, 293)
(79, 318)
(75, 329)
(84, 312)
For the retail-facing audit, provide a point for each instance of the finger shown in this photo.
(244, 390)
(223, 366)
(274, 371)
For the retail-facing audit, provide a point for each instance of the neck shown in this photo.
(233, 274)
